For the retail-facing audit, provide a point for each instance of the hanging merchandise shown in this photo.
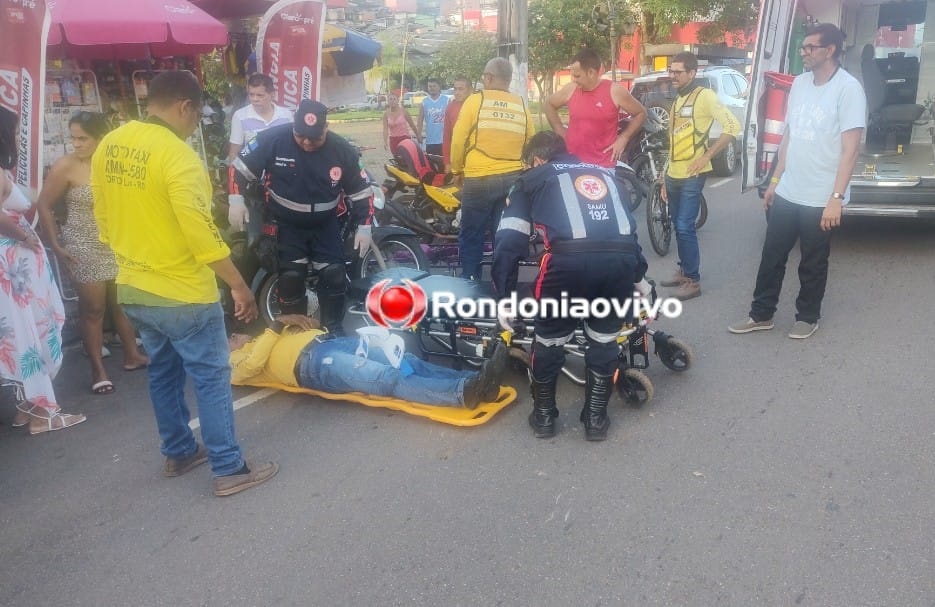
(67, 92)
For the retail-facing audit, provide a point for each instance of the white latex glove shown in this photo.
(237, 214)
(644, 288)
(363, 239)
(505, 318)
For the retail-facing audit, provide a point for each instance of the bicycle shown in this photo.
(658, 219)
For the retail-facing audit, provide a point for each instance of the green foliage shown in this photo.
(215, 78)
(391, 65)
(735, 15)
(465, 55)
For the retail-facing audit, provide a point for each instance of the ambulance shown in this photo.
(889, 49)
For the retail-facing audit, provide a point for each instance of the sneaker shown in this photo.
(750, 325)
(676, 279)
(687, 289)
(178, 467)
(235, 483)
(802, 329)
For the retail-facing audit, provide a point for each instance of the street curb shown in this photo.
(346, 120)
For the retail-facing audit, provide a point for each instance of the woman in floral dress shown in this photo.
(31, 311)
(89, 261)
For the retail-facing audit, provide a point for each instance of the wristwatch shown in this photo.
(837, 195)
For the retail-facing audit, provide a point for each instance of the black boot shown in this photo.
(485, 386)
(594, 414)
(544, 411)
(331, 311)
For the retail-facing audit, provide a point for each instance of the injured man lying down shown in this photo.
(302, 355)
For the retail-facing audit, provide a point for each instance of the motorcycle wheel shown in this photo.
(398, 251)
(267, 300)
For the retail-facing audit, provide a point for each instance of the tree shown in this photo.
(658, 16)
(465, 55)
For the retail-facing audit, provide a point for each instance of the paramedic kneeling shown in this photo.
(591, 252)
(308, 170)
(305, 356)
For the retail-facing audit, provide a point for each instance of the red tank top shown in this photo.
(592, 124)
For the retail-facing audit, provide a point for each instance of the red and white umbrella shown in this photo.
(132, 28)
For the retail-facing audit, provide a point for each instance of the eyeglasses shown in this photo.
(808, 49)
(676, 72)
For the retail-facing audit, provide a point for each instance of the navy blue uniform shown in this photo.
(592, 251)
(305, 192)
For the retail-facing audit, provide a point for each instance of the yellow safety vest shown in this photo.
(684, 137)
(500, 129)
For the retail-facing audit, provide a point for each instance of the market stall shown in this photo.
(101, 54)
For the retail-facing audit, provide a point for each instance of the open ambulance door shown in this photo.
(770, 55)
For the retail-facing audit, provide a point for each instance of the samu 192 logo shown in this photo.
(397, 306)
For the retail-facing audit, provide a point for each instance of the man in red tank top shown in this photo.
(594, 107)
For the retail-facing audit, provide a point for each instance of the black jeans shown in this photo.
(788, 222)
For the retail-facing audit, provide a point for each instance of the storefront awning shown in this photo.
(350, 51)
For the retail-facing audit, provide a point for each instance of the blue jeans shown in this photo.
(332, 366)
(684, 202)
(482, 202)
(190, 341)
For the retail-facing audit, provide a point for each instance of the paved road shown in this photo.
(775, 472)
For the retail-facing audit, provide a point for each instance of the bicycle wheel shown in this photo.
(644, 170)
(658, 222)
(631, 186)
(702, 213)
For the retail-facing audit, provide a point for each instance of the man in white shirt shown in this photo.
(258, 116)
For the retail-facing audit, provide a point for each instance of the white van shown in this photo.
(891, 51)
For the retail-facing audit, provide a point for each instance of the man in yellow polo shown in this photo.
(693, 112)
(152, 202)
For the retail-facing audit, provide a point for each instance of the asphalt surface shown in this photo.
(773, 472)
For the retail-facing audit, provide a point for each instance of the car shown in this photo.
(372, 102)
(656, 92)
(413, 98)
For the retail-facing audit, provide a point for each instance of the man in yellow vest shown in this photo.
(694, 110)
(486, 157)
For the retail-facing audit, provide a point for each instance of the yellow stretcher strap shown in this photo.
(456, 416)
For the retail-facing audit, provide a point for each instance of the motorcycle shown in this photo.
(418, 197)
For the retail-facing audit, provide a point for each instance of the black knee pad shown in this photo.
(332, 279)
(292, 297)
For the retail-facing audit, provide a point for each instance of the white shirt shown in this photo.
(246, 123)
(815, 119)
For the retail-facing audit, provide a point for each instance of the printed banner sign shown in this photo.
(289, 49)
(25, 28)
